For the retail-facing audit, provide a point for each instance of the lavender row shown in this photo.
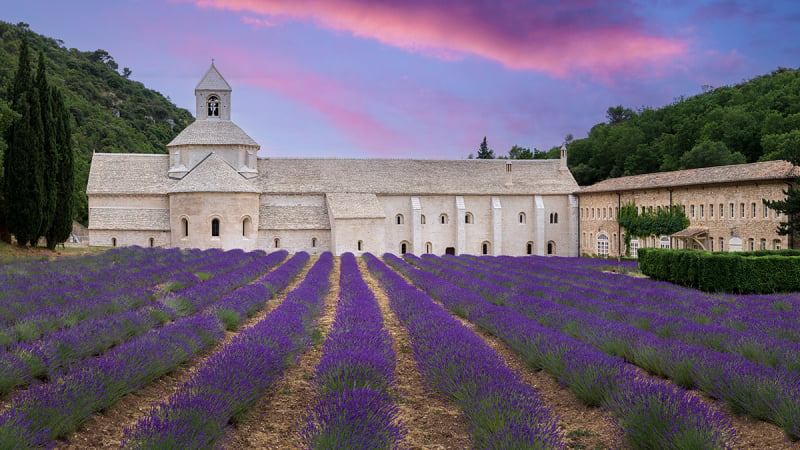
(233, 379)
(233, 308)
(762, 392)
(196, 297)
(650, 414)
(502, 411)
(354, 408)
(756, 346)
(45, 412)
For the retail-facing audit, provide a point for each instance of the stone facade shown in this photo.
(724, 206)
(212, 191)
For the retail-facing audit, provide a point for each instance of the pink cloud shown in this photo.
(257, 22)
(557, 39)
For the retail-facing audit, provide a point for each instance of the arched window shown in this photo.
(246, 222)
(776, 244)
(398, 219)
(313, 242)
(277, 242)
(551, 217)
(422, 219)
(152, 242)
(428, 247)
(443, 219)
(213, 106)
(551, 248)
(360, 245)
(403, 247)
(602, 244)
(113, 242)
(634, 248)
(522, 218)
(529, 248)
(555, 217)
(763, 244)
(485, 248)
(468, 218)
(185, 226)
(664, 242)
(215, 228)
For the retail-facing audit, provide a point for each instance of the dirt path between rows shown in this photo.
(273, 423)
(431, 420)
(106, 429)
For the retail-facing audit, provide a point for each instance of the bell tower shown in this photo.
(213, 96)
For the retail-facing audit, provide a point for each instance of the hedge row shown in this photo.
(759, 272)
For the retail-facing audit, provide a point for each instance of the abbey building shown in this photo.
(213, 191)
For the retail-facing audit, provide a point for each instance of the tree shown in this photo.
(48, 167)
(484, 152)
(22, 184)
(710, 153)
(518, 152)
(618, 114)
(664, 221)
(61, 226)
(126, 72)
(790, 208)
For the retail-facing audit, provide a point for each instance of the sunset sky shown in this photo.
(427, 79)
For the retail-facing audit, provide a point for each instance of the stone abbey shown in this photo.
(213, 191)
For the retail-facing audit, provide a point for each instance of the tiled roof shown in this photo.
(213, 80)
(213, 174)
(354, 206)
(414, 177)
(123, 173)
(212, 132)
(769, 170)
(132, 218)
(293, 218)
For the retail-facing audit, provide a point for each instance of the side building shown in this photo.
(724, 206)
(212, 191)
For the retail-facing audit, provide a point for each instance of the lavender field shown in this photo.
(155, 348)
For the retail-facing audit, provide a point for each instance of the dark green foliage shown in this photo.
(48, 158)
(758, 120)
(760, 272)
(61, 226)
(790, 208)
(661, 222)
(484, 152)
(109, 113)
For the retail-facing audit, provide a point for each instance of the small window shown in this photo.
(468, 218)
(403, 248)
(246, 223)
(215, 228)
(721, 244)
(555, 218)
(276, 242)
(443, 219)
(731, 211)
(113, 242)
(422, 219)
(551, 248)
(529, 247)
(213, 106)
(766, 211)
(360, 245)
(763, 244)
(721, 210)
(551, 216)
(185, 226)
(604, 213)
(152, 242)
(711, 244)
(602, 244)
(711, 210)
(313, 242)
(485, 248)
(753, 207)
(398, 219)
(751, 243)
(428, 247)
(776, 244)
(741, 210)
(691, 208)
(702, 211)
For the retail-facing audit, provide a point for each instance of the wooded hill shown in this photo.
(757, 120)
(110, 112)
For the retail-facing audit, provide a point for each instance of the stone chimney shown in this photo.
(563, 165)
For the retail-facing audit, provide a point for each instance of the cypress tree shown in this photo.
(48, 158)
(23, 188)
(61, 227)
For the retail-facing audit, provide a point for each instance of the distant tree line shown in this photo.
(38, 161)
(517, 152)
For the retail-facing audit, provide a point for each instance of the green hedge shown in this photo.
(760, 272)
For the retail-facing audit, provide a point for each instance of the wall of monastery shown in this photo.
(358, 236)
(313, 242)
(123, 238)
(726, 210)
(192, 217)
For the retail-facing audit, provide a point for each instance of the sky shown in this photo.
(427, 79)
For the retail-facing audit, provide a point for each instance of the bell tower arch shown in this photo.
(213, 96)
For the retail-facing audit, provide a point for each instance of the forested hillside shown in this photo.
(111, 112)
(757, 120)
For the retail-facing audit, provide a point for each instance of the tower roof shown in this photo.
(213, 81)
